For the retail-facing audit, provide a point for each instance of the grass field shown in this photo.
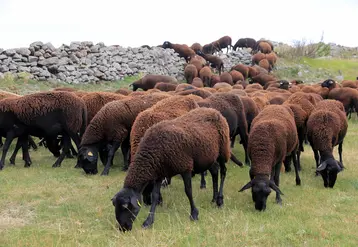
(45, 206)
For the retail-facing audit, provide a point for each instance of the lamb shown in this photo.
(149, 81)
(226, 77)
(184, 51)
(215, 62)
(166, 86)
(96, 100)
(110, 129)
(196, 47)
(198, 145)
(205, 75)
(326, 127)
(190, 72)
(231, 106)
(46, 114)
(273, 136)
(245, 43)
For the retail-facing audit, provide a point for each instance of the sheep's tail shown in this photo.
(235, 160)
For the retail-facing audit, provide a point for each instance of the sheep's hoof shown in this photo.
(104, 173)
(279, 201)
(56, 165)
(148, 223)
(12, 162)
(298, 181)
(220, 201)
(203, 186)
(194, 214)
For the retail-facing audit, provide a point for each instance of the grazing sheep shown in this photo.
(184, 51)
(210, 48)
(149, 81)
(226, 77)
(261, 102)
(46, 114)
(96, 100)
(273, 136)
(264, 63)
(110, 129)
(215, 62)
(271, 58)
(245, 43)
(263, 78)
(197, 146)
(190, 72)
(264, 47)
(214, 79)
(65, 89)
(205, 75)
(197, 82)
(243, 69)
(196, 47)
(224, 42)
(253, 71)
(255, 59)
(198, 61)
(231, 106)
(166, 86)
(326, 127)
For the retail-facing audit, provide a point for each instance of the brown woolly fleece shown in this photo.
(96, 100)
(302, 99)
(327, 125)
(196, 47)
(29, 107)
(166, 86)
(149, 81)
(263, 78)
(205, 75)
(166, 109)
(257, 58)
(256, 86)
(4, 94)
(261, 102)
(271, 58)
(251, 110)
(199, 92)
(214, 79)
(197, 146)
(222, 85)
(198, 62)
(272, 137)
(183, 50)
(114, 121)
(123, 91)
(197, 82)
(264, 47)
(253, 71)
(184, 86)
(351, 84)
(236, 76)
(348, 97)
(239, 86)
(190, 72)
(65, 89)
(264, 63)
(243, 69)
(226, 77)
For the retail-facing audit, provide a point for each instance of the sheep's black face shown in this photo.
(328, 83)
(127, 207)
(260, 191)
(87, 159)
(166, 44)
(329, 170)
(284, 85)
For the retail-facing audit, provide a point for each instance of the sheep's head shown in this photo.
(87, 159)
(127, 206)
(283, 84)
(328, 83)
(167, 44)
(329, 170)
(261, 188)
(54, 146)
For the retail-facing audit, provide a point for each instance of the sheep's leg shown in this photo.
(111, 153)
(276, 179)
(103, 155)
(214, 170)
(295, 164)
(125, 147)
(9, 139)
(202, 181)
(340, 149)
(194, 212)
(65, 149)
(235, 160)
(220, 199)
(317, 159)
(233, 141)
(155, 200)
(287, 164)
(25, 151)
(32, 143)
(19, 144)
(147, 193)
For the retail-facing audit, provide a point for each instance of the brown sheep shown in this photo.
(198, 91)
(166, 86)
(225, 42)
(190, 72)
(214, 79)
(245, 43)
(251, 110)
(351, 84)
(196, 47)
(273, 137)
(243, 69)
(257, 58)
(149, 81)
(215, 61)
(326, 127)
(205, 75)
(184, 86)
(198, 61)
(184, 51)
(65, 89)
(210, 48)
(197, 82)
(198, 146)
(123, 91)
(263, 79)
(239, 86)
(272, 59)
(253, 71)
(264, 46)
(220, 85)
(96, 100)
(109, 130)
(261, 102)
(226, 77)
(264, 63)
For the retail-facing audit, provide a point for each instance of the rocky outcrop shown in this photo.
(83, 62)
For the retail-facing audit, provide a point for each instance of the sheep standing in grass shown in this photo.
(184, 51)
(198, 146)
(273, 136)
(148, 81)
(326, 127)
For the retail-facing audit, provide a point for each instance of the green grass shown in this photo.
(45, 206)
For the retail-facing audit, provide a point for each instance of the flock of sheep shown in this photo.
(172, 128)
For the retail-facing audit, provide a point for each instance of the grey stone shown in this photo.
(74, 58)
(45, 73)
(49, 61)
(2, 57)
(24, 52)
(61, 68)
(61, 76)
(74, 46)
(4, 68)
(38, 54)
(81, 53)
(87, 43)
(24, 69)
(85, 78)
(64, 61)
(95, 49)
(47, 55)
(98, 74)
(48, 46)
(102, 68)
(70, 68)
(13, 67)
(36, 44)
(10, 52)
(2, 76)
(1, 50)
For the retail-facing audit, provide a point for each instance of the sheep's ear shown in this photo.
(322, 166)
(247, 186)
(275, 188)
(113, 200)
(135, 202)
